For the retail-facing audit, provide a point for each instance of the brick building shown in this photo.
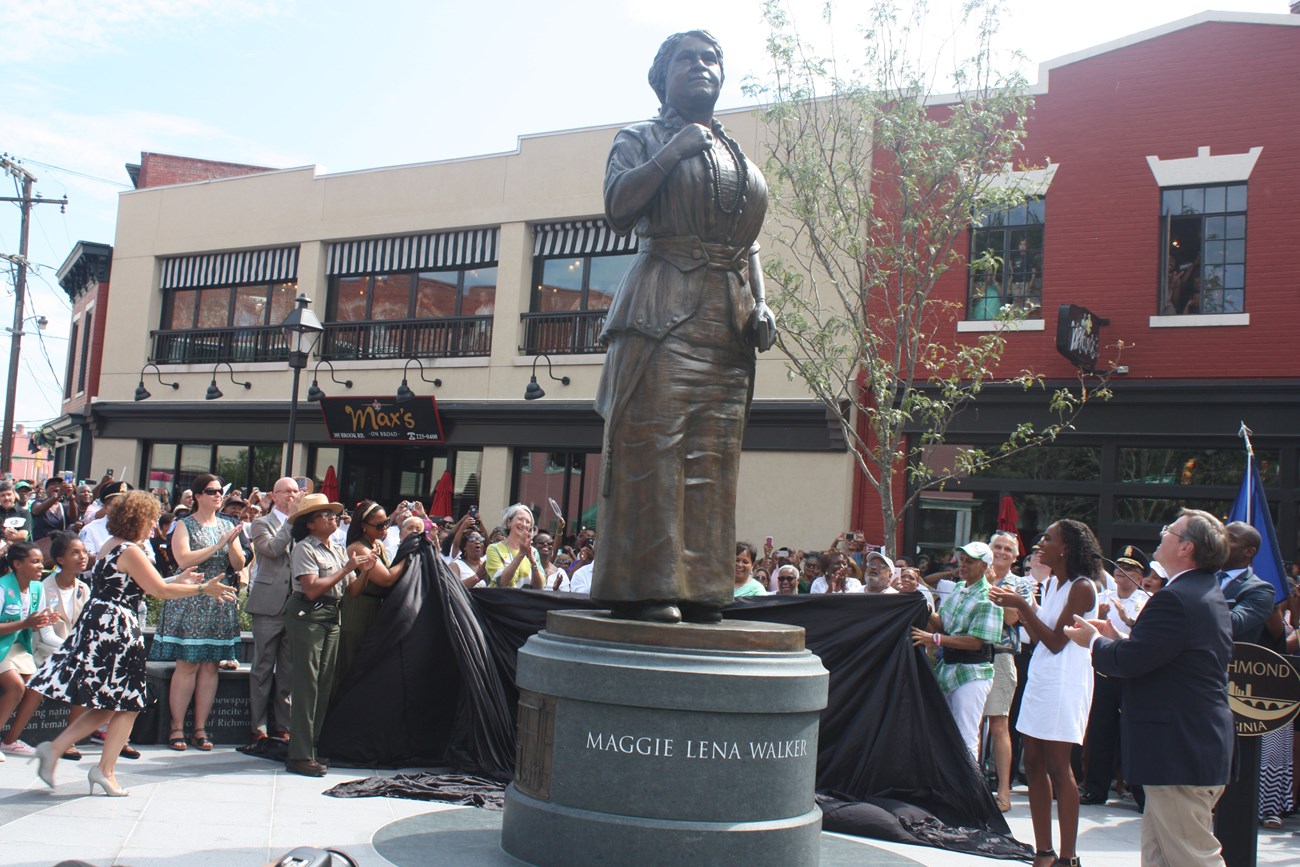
(1169, 211)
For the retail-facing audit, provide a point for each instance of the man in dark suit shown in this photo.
(1177, 728)
(266, 597)
(1250, 598)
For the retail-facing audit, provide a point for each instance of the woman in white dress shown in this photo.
(1054, 710)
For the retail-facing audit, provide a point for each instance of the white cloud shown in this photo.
(51, 29)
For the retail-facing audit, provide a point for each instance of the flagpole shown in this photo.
(1245, 432)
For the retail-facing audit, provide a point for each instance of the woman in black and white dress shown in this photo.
(101, 666)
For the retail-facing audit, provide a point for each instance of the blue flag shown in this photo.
(1251, 507)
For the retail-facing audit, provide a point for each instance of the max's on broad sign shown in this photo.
(382, 420)
(1078, 335)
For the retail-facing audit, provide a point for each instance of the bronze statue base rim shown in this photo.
(742, 636)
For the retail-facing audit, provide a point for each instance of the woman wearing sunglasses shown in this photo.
(359, 609)
(198, 632)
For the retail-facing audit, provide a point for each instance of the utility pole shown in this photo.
(20, 293)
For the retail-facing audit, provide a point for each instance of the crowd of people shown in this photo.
(1035, 654)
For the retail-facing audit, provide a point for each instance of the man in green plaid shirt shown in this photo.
(965, 628)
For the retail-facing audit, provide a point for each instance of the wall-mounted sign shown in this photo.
(1078, 335)
(381, 420)
(1263, 689)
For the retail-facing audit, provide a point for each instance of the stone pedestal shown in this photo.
(651, 744)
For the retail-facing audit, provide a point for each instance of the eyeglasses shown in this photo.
(1167, 531)
(285, 491)
(211, 492)
(546, 544)
(381, 525)
(1007, 533)
(478, 539)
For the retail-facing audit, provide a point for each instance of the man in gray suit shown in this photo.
(266, 598)
(1250, 598)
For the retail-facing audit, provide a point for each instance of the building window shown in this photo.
(174, 466)
(1203, 239)
(404, 314)
(571, 295)
(569, 479)
(1007, 261)
(86, 331)
(71, 363)
(208, 307)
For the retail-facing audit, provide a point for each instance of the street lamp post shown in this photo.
(301, 330)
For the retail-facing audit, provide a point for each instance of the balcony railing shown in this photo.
(448, 337)
(572, 333)
(213, 345)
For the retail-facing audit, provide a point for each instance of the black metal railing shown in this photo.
(213, 345)
(573, 333)
(448, 337)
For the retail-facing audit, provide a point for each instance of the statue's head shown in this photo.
(659, 70)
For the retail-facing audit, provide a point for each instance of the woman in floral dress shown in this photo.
(101, 665)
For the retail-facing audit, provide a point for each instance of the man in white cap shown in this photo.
(964, 629)
(878, 573)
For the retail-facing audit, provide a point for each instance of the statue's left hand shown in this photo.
(763, 323)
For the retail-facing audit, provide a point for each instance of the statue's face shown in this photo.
(694, 75)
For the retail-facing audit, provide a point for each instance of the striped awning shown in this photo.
(228, 269)
(580, 238)
(414, 252)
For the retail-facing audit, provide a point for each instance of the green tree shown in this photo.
(875, 186)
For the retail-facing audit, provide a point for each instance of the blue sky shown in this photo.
(89, 84)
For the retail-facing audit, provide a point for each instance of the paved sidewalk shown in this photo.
(224, 808)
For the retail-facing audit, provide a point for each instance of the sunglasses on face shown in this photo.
(211, 492)
(380, 525)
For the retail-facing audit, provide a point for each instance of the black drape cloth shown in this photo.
(890, 761)
(424, 688)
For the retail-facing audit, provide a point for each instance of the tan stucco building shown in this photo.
(472, 267)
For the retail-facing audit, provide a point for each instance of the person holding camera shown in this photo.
(56, 512)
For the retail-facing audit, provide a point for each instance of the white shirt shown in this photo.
(580, 581)
(565, 584)
(94, 535)
(1132, 605)
(851, 585)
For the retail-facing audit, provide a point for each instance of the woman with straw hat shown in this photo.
(320, 571)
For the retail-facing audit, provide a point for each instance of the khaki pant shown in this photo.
(1177, 827)
(313, 635)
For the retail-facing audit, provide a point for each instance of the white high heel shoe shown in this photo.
(96, 778)
(45, 759)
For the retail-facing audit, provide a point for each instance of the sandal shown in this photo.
(1004, 804)
(72, 754)
(1046, 853)
(177, 740)
(1272, 823)
(201, 741)
(228, 665)
(129, 752)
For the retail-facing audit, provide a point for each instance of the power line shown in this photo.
(73, 172)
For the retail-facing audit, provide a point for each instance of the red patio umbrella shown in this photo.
(330, 486)
(1009, 520)
(441, 506)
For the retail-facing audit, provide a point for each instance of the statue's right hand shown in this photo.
(690, 140)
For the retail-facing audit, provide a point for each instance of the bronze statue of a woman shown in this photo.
(682, 331)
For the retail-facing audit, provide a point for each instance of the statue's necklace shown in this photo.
(733, 150)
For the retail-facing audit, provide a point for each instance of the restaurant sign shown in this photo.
(1078, 335)
(382, 420)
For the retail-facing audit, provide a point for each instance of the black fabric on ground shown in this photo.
(899, 822)
(886, 736)
(462, 789)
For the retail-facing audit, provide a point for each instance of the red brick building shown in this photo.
(1169, 210)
